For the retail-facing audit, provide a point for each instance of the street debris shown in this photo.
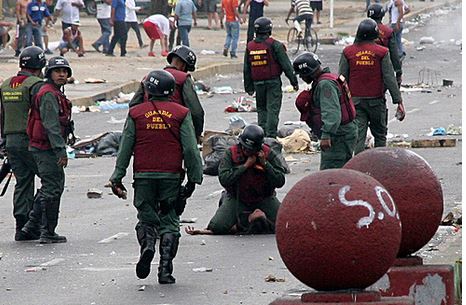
(105, 143)
(427, 40)
(442, 142)
(112, 238)
(188, 220)
(223, 90)
(288, 89)
(142, 288)
(451, 220)
(94, 81)
(94, 193)
(200, 87)
(203, 269)
(454, 130)
(439, 131)
(447, 82)
(111, 105)
(203, 243)
(115, 121)
(242, 104)
(236, 126)
(273, 279)
(298, 142)
(345, 41)
(420, 48)
(207, 52)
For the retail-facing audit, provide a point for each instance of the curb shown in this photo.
(133, 85)
(213, 69)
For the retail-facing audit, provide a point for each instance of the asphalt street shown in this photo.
(97, 264)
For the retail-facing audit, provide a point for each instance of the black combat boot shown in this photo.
(31, 230)
(20, 222)
(49, 222)
(147, 236)
(168, 248)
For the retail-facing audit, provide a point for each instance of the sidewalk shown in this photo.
(123, 74)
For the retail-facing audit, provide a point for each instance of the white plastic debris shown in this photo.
(202, 269)
(208, 52)
(427, 40)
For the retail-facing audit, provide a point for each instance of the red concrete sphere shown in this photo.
(414, 187)
(338, 229)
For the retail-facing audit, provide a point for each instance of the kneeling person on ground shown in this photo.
(72, 39)
(250, 172)
(158, 126)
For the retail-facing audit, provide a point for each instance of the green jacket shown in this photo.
(229, 173)
(190, 99)
(279, 52)
(326, 96)
(21, 140)
(49, 113)
(388, 76)
(191, 156)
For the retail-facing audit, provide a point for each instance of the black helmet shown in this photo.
(32, 58)
(306, 64)
(367, 30)
(159, 83)
(186, 54)
(252, 138)
(55, 63)
(375, 11)
(263, 25)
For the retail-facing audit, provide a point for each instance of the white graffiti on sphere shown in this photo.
(367, 220)
(364, 221)
(379, 191)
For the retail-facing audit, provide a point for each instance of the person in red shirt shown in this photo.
(232, 24)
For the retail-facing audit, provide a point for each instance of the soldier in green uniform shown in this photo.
(16, 98)
(264, 61)
(49, 125)
(328, 109)
(181, 61)
(386, 38)
(158, 126)
(250, 172)
(369, 71)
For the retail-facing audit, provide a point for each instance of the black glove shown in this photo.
(187, 190)
(119, 189)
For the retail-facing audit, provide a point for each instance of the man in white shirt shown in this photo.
(157, 27)
(69, 9)
(397, 10)
(104, 12)
(131, 20)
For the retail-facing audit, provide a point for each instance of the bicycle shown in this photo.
(295, 39)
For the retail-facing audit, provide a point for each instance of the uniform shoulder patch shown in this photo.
(327, 92)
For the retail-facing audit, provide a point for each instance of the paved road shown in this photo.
(97, 265)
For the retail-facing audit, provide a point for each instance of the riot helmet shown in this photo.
(32, 58)
(367, 30)
(263, 25)
(186, 54)
(252, 138)
(55, 63)
(159, 83)
(376, 11)
(306, 64)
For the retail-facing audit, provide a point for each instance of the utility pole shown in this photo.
(331, 14)
(1, 9)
